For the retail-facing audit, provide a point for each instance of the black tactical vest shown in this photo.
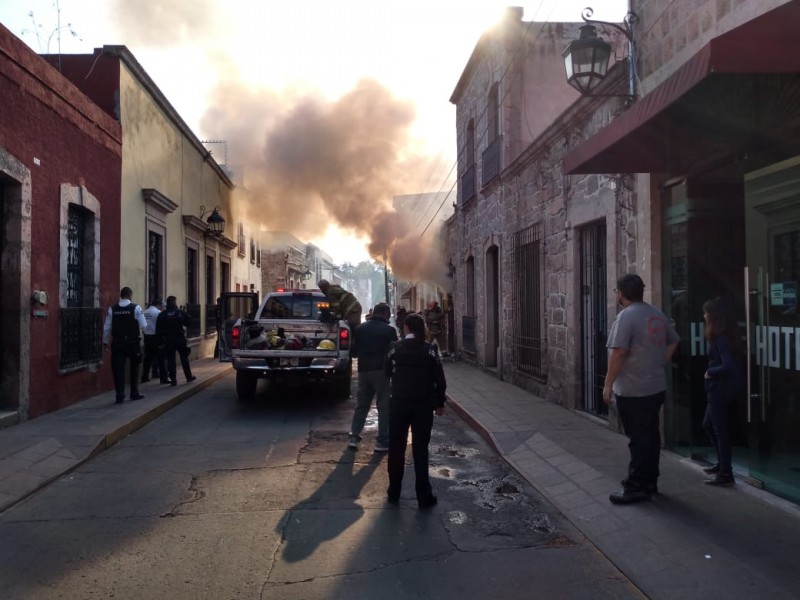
(124, 327)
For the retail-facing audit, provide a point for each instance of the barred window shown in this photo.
(76, 239)
(528, 339)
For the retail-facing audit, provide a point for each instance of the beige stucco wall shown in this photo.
(157, 155)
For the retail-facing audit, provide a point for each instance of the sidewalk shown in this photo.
(38, 451)
(690, 541)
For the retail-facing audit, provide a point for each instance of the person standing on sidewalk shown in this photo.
(153, 356)
(171, 332)
(372, 341)
(121, 335)
(417, 392)
(434, 319)
(723, 380)
(641, 341)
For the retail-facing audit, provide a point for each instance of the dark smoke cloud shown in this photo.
(308, 162)
(163, 23)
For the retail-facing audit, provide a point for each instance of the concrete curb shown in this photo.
(137, 423)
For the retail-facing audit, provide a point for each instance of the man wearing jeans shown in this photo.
(641, 341)
(372, 342)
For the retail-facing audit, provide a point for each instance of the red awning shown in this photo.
(740, 94)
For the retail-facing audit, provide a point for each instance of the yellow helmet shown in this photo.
(326, 345)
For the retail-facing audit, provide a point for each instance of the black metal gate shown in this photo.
(594, 319)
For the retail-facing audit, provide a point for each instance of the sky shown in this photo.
(329, 108)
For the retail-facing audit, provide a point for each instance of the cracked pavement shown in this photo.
(218, 499)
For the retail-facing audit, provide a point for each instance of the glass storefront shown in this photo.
(741, 243)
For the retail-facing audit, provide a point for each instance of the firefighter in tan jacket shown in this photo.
(343, 304)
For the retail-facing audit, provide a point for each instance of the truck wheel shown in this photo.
(245, 385)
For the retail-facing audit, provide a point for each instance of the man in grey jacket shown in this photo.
(372, 342)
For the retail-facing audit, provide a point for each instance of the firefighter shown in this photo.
(343, 304)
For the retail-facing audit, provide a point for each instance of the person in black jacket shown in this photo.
(722, 381)
(170, 330)
(372, 341)
(417, 391)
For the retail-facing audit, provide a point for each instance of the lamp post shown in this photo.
(586, 59)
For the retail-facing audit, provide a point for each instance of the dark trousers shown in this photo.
(420, 419)
(717, 427)
(153, 359)
(179, 346)
(120, 352)
(639, 416)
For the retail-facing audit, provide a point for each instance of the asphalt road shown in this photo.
(218, 499)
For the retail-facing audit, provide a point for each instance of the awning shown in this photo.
(739, 96)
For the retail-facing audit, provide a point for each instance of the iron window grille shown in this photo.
(81, 331)
(528, 338)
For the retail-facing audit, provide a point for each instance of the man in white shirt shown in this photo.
(153, 357)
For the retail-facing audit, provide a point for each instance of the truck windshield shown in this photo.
(293, 306)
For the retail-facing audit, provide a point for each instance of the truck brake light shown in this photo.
(235, 336)
(344, 339)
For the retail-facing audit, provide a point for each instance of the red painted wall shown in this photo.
(44, 116)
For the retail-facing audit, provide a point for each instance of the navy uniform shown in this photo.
(170, 330)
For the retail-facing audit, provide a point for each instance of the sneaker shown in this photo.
(381, 448)
(720, 480)
(712, 470)
(353, 442)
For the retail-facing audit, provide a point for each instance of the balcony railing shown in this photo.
(468, 333)
(193, 330)
(490, 166)
(81, 337)
(211, 318)
(468, 187)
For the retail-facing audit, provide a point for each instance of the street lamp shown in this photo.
(586, 59)
(216, 224)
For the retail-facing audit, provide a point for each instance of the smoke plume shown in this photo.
(308, 162)
(160, 23)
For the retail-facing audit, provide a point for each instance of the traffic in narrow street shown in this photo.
(225, 499)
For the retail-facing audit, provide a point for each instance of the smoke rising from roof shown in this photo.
(160, 23)
(308, 162)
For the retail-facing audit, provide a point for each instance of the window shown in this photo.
(468, 183)
(80, 319)
(528, 338)
(493, 113)
(294, 305)
(258, 257)
(155, 261)
(241, 250)
(211, 292)
(191, 276)
(224, 276)
(252, 251)
(76, 235)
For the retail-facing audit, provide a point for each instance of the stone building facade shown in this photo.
(693, 183)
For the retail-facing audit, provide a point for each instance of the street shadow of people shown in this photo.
(330, 510)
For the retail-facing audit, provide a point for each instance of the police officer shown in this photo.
(122, 328)
(171, 332)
